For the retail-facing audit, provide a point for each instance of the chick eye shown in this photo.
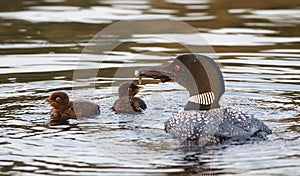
(177, 67)
(57, 99)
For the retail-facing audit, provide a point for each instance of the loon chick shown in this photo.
(203, 120)
(63, 109)
(127, 103)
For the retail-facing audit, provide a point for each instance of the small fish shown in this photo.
(140, 79)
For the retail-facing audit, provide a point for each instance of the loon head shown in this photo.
(199, 74)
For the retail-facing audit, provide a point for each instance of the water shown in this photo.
(46, 46)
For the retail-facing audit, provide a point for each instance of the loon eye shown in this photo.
(177, 67)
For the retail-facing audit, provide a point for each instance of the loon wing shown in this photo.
(216, 125)
(241, 122)
(230, 131)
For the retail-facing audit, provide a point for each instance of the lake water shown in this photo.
(86, 48)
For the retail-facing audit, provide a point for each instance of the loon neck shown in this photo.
(205, 98)
(196, 106)
(202, 101)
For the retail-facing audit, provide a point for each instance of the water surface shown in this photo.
(44, 43)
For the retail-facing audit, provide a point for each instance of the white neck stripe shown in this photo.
(205, 98)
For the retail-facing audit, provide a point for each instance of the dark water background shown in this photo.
(256, 42)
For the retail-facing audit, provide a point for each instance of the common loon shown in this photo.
(203, 120)
(127, 103)
(63, 109)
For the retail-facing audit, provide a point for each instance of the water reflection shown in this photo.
(40, 43)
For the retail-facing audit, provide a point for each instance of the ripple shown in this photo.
(96, 14)
(242, 31)
(188, 1)
(280, 16)
(215, 39)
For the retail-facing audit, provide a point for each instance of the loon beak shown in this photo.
(156, 72)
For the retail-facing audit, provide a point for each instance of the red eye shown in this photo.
(177, 67)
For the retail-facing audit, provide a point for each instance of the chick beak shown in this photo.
(47, 101)
(140, 88)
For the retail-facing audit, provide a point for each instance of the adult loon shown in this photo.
(203, 120)
(63, 109)
(127, 103)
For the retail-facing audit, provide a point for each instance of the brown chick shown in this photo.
(127, 103)
(64, 109)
